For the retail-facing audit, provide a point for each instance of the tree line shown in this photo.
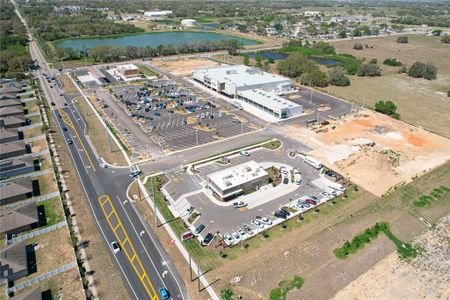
(15, 57)
(115, 53)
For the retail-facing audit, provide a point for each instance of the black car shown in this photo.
(199, 229)
(65, 128)
(52, 103)
(208, 238)
(285, 180)
(282, 214)
(285, 212)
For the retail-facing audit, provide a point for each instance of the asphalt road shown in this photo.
(142, 261)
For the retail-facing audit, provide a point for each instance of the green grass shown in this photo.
(404, 250)
(204, 257)
(226, 294)
(192, 217)
(272, 145)
(436, 194)
(284, 287)
(53, 211)
(146, 71)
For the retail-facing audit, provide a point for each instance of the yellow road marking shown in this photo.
(66, 119)
(132, 257)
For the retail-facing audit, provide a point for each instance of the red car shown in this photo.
(310, 201)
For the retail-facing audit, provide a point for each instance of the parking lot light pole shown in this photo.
(196, 135)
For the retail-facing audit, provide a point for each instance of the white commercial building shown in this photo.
(158, 14)
(251, 85)
(229, 183)
(188, 23)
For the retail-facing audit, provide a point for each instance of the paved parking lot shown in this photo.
(186, 190)
(176, 119)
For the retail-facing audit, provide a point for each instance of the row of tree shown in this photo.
(15, 57)
(115, 53)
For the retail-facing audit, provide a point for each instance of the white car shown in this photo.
(135, 173)
(257, 224)
(103, 165)
(241, 233)
(244, 153)
(236, 236)
(266, 221)
(228, 239)
(115, 247)
(239, 204)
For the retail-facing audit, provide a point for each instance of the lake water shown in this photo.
(150, 39)
(323, 61)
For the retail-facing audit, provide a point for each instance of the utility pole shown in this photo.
(364, 101)
(196, 135)
(310, 99)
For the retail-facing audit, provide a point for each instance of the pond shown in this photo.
(266, 55)
(323, 61)
(175, 38)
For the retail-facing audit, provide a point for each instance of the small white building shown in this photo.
(312, 13)
(232, 182)
(188, 23)
(158, 14)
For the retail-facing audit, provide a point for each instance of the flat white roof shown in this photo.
(127, 67)
(241, 75)
(268, 100)
(158, 13)
(237, 175)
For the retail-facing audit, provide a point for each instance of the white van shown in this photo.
(313, 162)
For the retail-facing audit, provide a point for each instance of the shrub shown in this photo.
(446, 39)
(358, 46)
(336, 76)
(402, 39)
(392, 62)
(420, 69)
(326, 48)
(226, 294)
(403, 70)
(387, 108)
(342, 34)
(448, 94)
(373, 61)
(246, 60)
(368, 70)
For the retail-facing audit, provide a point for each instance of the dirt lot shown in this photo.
(426, 276)
(420, 102)
(184, 67)
(401, 151)
(306, 249)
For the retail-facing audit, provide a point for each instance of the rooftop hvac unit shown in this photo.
(227, 183)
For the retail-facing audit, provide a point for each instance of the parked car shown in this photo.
(285, 212)
(208, 238)
(228, 239)
(115, 247)
(199, 229)
(64, 128)
(242, 233)
(264, 220)
(247, 229)
(103, 165)
(312, 202)
(282, 214)
(285, 180)
(164, 293)
(236, 236)
(244, 153)
(257, 224)
(239, 204)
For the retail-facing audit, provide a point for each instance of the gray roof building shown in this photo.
(11, 111)
(16, 166)
(12, 121)
(13, 262)
(10, 102)
(12, 149)
(18, 219)
(9, 135)
(34, 294)
(16, 190)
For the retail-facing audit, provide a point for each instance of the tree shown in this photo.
(357, 32)
(387, 108)
(270, 60)
(314, 77)
(324, 47)
(242, 28)
(278, 27)
(336, 76)
(295, 65)
(420, 69)
(246, 60)
(445, 39)
(392, 62)
(342, 34)
(258, 60)
(436, 32)
(358, 46)
(368, 70)
(402, 39)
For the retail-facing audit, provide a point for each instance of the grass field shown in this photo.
(420, 102)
